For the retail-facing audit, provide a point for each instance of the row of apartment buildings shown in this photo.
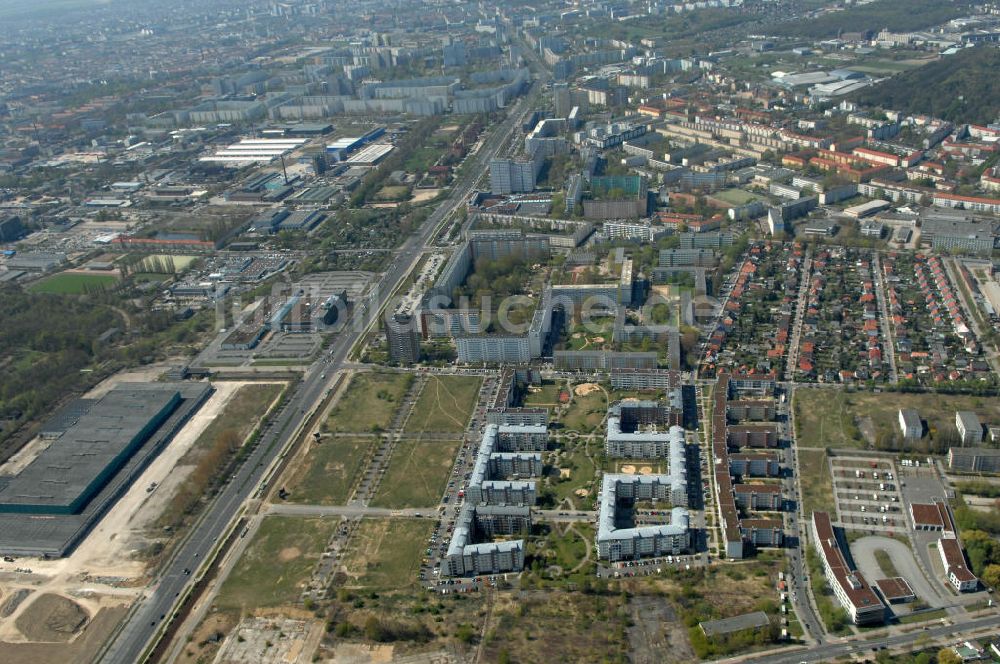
(497, 502)
(742, 534)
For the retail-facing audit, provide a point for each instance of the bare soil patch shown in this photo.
(52, 618)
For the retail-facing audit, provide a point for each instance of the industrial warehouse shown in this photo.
(98, 447)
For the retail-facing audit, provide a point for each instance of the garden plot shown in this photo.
(933, 341)
(841, 338)
(757, 319)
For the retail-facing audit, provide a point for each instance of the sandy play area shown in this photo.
(585, 389)
(421, 195)
(629, 469)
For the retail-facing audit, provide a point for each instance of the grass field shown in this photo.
(417, 474)
(393, 193)
(885, 67)
(576, 473)
(277, 564)
(586, 413)
(828, 417)
(817, 484)
(445, 404)
(546, 394)
(734, 196)
(73, 283)
(369, 403)
(385, 554)
(329, 470)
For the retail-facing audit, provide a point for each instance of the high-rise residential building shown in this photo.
(404, 339)
(514, 176)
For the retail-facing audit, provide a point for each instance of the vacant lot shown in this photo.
(276, 566)
(73, 283)
(833, 418)
(385, 554)
(445, 404)
(369, 403)
(52, 618)
(393, 193)
(241, 415)
(417, 474)
(329, 470)
(817, 485)
(545, 626)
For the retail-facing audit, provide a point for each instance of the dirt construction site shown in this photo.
(62, 610)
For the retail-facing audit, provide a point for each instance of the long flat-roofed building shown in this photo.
(974, 459)
(98, 448)
(849, 586)
(67, 474)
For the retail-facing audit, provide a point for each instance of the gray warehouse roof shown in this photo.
(57, 534)
(66, 474)
(736, 623)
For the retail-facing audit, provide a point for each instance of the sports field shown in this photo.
(73, 283)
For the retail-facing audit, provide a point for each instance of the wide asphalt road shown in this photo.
(831, 650)
(141, 625)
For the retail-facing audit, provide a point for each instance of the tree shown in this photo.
(948, 656)
(465, 633)
(373, 629)
(991, 576)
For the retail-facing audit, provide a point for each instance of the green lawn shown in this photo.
(574, 471)
(329, 470)
(276, 566)
(445, 404)
(585, 413)
(829, 417)
(923, 616)
(816, 482)
(73, 283)
(546, 394)
(417, 474)
(369, 402)
(385, 554)
(734, 196)
(885, 564)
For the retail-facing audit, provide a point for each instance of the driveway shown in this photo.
(863, 551)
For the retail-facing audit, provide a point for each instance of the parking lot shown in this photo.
(867, 494)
